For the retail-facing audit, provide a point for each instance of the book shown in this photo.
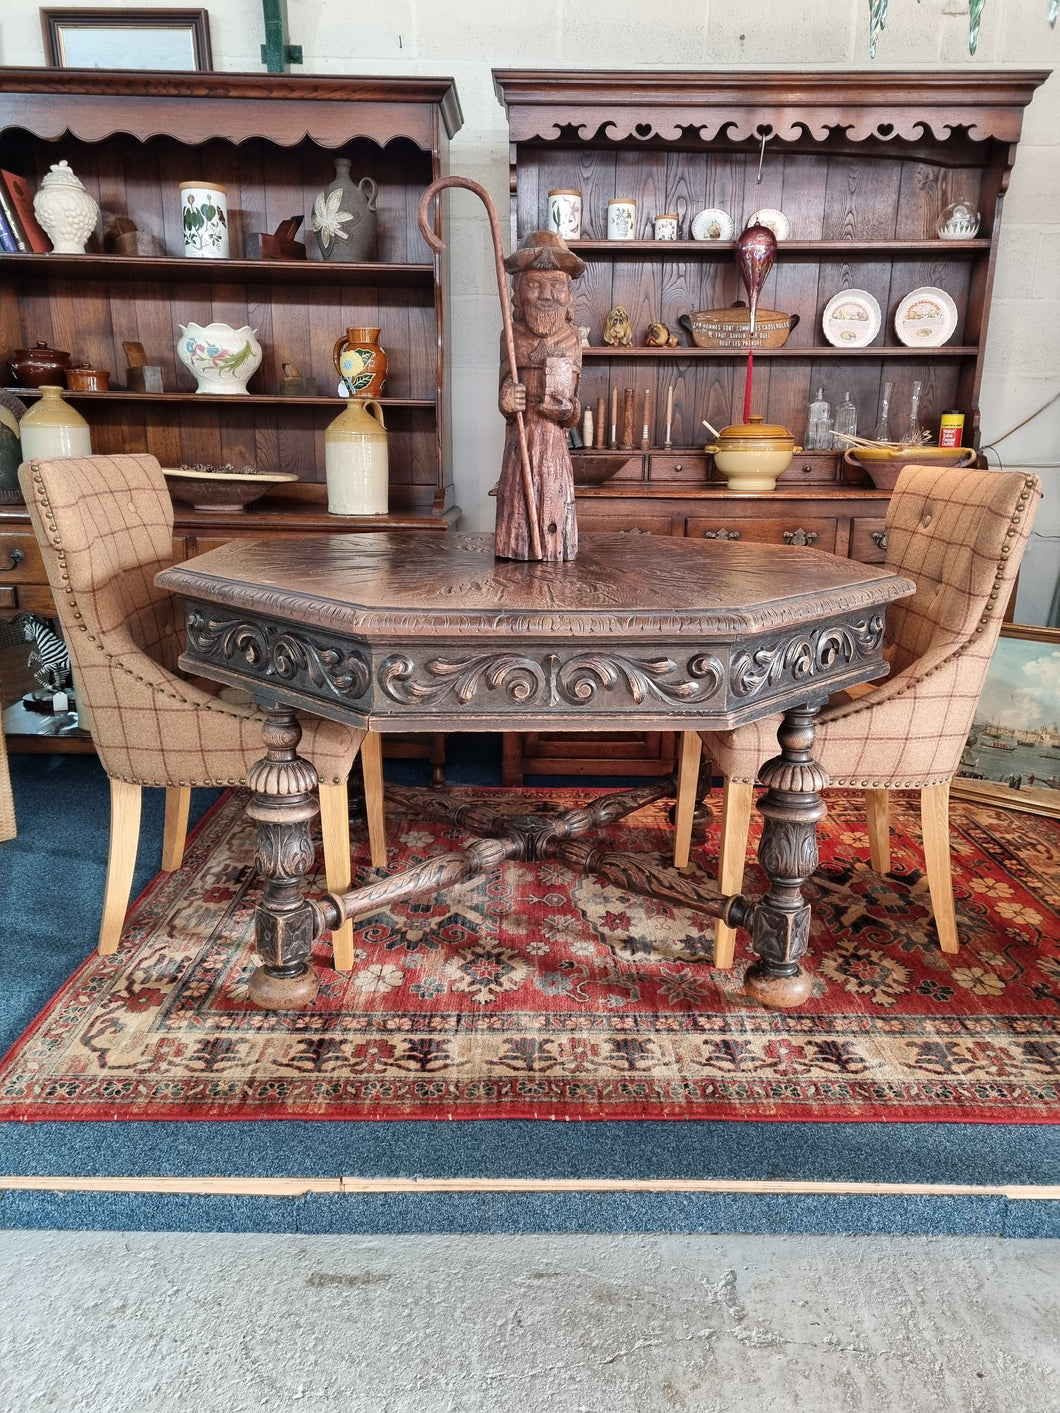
(7, 237)
(11, 220)
(21, 196)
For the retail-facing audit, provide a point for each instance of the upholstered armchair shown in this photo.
(960, 534)
(105, 526)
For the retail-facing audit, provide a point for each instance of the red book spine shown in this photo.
(21, 197)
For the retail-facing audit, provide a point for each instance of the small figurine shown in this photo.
(618, 332)
(583, 334)
(659, 336)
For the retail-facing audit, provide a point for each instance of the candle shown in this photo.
(645, 426)
(600, 432)
(614, 417)
(669, 415)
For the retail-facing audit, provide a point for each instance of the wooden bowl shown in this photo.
(885, 465)
(220, 491)
(592, 468)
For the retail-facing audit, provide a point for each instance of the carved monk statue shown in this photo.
(548, 356)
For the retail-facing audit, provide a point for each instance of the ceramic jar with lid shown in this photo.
(751, 455)
(51, 427)
(65, 210)
(32, 367)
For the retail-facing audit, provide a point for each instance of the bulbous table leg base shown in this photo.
(283, 993)
(777, 992)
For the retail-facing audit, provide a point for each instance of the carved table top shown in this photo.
(417, 631)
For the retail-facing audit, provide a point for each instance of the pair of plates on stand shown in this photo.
(715, 224)
(925, 318)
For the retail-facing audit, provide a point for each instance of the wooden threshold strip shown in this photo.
(300, 1187)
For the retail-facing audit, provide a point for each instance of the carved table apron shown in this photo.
(422, 632)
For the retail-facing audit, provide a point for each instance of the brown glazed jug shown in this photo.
(360, 362)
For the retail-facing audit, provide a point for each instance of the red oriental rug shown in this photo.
(537, 992)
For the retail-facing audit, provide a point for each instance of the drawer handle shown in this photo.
(633, 530)
(14, 559)
(800, 537)
(678, 468)
(878, 538)
(721, 534)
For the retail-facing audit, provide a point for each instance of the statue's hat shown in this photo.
(544, 250)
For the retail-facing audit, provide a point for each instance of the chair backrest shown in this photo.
(105, 529)
(960, 535)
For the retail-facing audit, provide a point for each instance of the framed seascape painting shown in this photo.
(1012, 756)
(177, 40)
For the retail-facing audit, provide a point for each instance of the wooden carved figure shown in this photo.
(544, 389)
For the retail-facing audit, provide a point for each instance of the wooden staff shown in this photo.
(436, 243)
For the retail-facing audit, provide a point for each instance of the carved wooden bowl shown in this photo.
(221, 491)
(592, 468)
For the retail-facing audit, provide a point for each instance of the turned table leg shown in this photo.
(779, 922)
(286, 925)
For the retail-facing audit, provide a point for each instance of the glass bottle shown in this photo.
(913, 430)
(819, 424)
(51, 427)
(846, 421)
(883, 422)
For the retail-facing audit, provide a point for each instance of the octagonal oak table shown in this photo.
(413, 631)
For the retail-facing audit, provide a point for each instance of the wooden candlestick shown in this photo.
(627, 420)
(600, 440)
(668, 444)
(645, 426)
(614, 419)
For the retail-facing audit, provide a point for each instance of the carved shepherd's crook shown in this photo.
(436, 243)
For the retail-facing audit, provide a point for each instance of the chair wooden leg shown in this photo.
(121, 861)
(175, 830)
(935, 826)
(878, 823)
(737, 800)
(335, 830)
(690, 754)
(372, 767)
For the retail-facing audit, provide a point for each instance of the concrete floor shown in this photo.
(146, 1323)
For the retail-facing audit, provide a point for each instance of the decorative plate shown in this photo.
(712, 224)
(775, 221)
(851, 319)
(926, 318)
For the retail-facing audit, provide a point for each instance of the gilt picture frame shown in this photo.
(145, 40)
(1012, 757)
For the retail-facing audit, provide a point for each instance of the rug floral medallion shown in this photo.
(533, 991)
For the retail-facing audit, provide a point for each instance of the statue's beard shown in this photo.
(545, 321)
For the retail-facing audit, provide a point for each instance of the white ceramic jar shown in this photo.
(51, 427)
(622, 219)
(65, 210)
(204, 217)
(356, 463)
(565, 213)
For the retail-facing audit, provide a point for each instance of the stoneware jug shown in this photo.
(51, 427)
(360, 362)
(344, 216)
(355, 460)
(221, 358)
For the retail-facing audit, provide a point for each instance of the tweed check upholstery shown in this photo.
(105, 527)
(960, 535)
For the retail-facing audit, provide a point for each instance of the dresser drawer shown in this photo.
(687, 467)
(868, 540)
(623, 523)
(816, 532)
(23, 581)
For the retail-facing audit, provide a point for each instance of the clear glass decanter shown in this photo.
(846, 422)
(819, 424)
(883, 422)
(913, 431)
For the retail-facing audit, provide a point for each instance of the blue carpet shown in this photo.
(51, 883)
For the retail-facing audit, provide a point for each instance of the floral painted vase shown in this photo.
(344, 216)
(221, 358)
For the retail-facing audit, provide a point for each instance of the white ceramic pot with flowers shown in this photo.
(221, 358)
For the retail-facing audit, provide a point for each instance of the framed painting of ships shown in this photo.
(1012, 756)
